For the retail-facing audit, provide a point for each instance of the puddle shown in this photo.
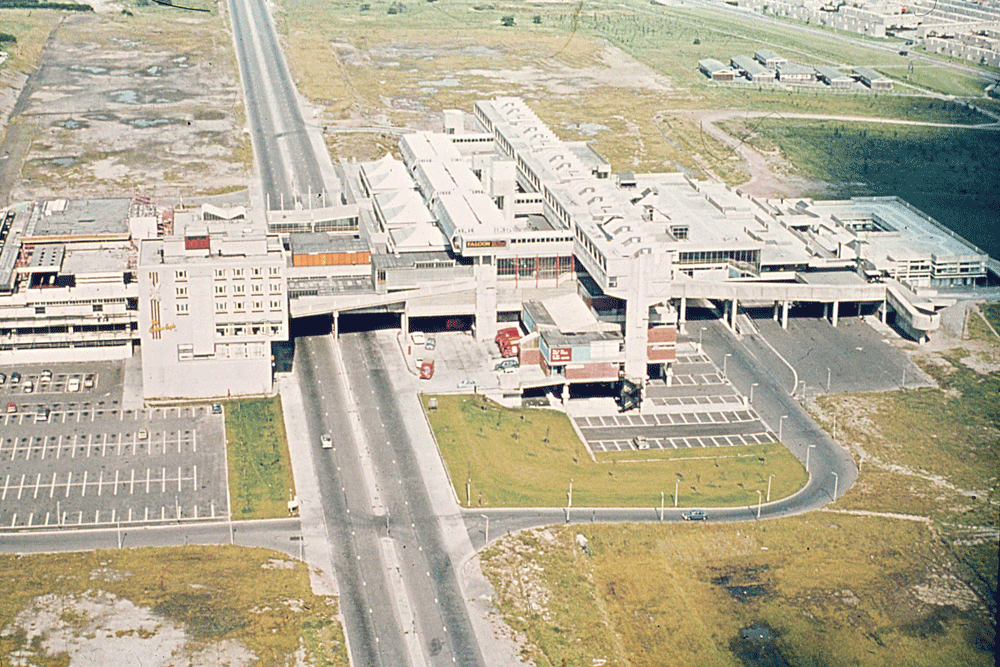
(755, 646)
(90, 69)
(59, 161)
(71, 124)
(100, 116)
(125, 96)
(148, 122)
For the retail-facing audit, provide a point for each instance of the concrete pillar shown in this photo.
(732, 323)
(682, 319)
(485, 273)
(404, 322)
(335, 325)
(775, 311)
(836, 311)
(565, 393)
(784, 314)
(826, 311)
(885, 309)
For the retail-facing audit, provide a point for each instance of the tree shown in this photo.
(537, 20)
(507, 21)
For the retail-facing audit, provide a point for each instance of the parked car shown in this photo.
(465, 385)
(88, 381)
(46, 376)
(430, 343)
(28, 386)
(15, 377)
(42, 415)
(507, 365)
(142, 434)
(326, 441)
(3, 378)
(11, 407)
(216, 408)
(694, 515)
(73, 385)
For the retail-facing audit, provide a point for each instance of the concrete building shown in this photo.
(716, 71)
(213, 298)
(833, 77)
(796, 73)
(769, 58)
(752, 69)
(872, 79)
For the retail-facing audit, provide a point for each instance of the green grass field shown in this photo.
(527, 457)
(219, 597)
(260, 471)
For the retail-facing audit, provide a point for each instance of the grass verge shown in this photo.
(260, 470)
(527, 457)
(111, 606)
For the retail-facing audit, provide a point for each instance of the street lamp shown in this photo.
(751, 390)
(781, 422)
(769, 487)
(487, 517)
(836, 481)
(808, 450)
(700, 332)
(724, 360)
(828, 375)
(677, 484)
(570, 495)
(759, 497)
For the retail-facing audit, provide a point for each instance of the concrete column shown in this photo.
(784, 314)
(732, 323)
(335, 325)
(775, 311)
(826, 311)
(836, 311)
(404, 322)
(565, 393)
(885, 308)
(682, 320)
(485, 273)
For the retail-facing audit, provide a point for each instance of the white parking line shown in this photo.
(163, 481)
(37, 482)
(6, 482)
(69, 482)
(131, 484)
(100, 484)
(194, 441)
(20, 488)
(83, 487)
(52, 487)
(178, 479)
(195, 477)
(116, 482)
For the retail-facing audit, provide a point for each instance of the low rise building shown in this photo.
(716, 71)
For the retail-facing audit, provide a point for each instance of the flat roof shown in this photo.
(318, 243)
(79, 219)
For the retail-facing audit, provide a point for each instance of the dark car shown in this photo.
(694, 515)
(15, 377)
(216, 408)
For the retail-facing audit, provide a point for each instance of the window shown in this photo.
(275, 329)
(220, 274)
(239, 289)
(98, 308)
(237, 273)
(258, 305)
(238, 330)
(275, 304)
(274, 271)
(276, 288)
(182, 308)
(154, 278)
(220, 306)
(239, 306)
(220, 290)
(257, 272)
(221, 331)
(257, 288)
(180, 275)
(182, 292)
(39, 310)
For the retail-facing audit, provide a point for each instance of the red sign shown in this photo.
(560, 355)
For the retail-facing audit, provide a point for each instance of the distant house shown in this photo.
(833, 77)
(769, 58)
(872, 79)
(751, 69)
(796, 73)
(715, 70)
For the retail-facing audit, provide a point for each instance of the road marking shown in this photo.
(20, 489)
(37, 480)
(194, 441)
(195, 477)
(116, 482)
(13, 520)
(131, 483)
(69, 479)
(6, 482)
(130, 515)
(147, 480)
(52, 488)
(100, 484)
(163, 481)
(97, 516)
(178, 479)
(83, 486)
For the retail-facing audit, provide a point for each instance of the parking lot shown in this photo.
(697, 408)
(76, 458)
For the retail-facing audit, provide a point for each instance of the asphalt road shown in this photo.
(286, 163)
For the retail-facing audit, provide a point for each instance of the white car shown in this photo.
(73, 385)
(465, 385)
(326, 441)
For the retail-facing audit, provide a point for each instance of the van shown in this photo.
(73, 384)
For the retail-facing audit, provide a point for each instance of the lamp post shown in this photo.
(487, 517)
(808, 450)
(781, 423)
(677, 484)
(751, 390)
(662, 498)
(836, 481)
(724, 365)
(828, 376)
(570, 494)
(759, 498)
(769, 486)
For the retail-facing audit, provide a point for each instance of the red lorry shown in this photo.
(508, 340)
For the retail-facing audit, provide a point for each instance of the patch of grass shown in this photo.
(256, 597)
(526, 458)
(976, 329)
(991, 311)
(260, 471)
(834, 589)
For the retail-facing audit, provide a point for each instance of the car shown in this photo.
(3, 378)
(430, 343)
(326, 441)
(42, 415)
(11, 407)
(216, 408)
(507, 365)
(694, 515)
(46, 376)
(73, 385)
(142, 434)
(465, 385)
(28, 386)
(88, 381)
(640, 442)
(15, 377)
